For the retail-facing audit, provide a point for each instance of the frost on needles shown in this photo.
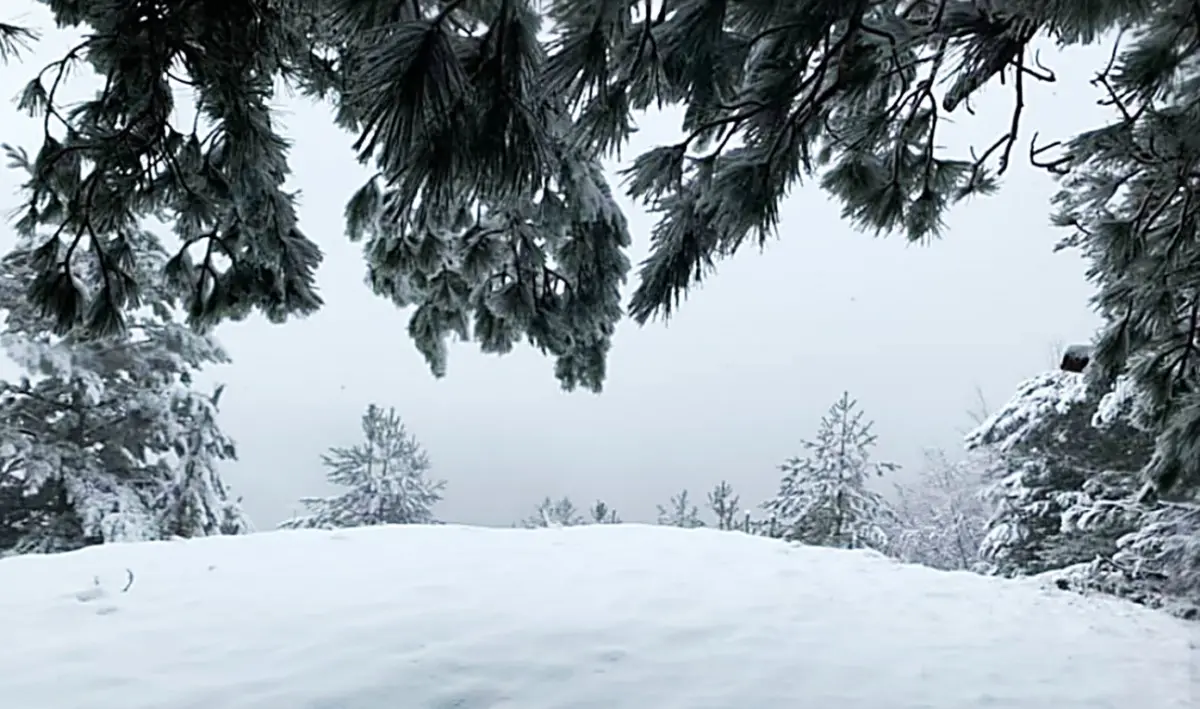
(486, 122)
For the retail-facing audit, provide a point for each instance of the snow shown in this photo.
(604, 616)
(1049, 394)
(1117, 404)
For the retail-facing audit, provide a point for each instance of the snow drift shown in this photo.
(604, 617)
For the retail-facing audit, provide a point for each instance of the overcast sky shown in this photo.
(727, 389)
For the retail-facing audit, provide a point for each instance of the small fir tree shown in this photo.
(724, 505)
(601, 513)
(386, 479)
(554, 513)
(823, 497)
(680, 512)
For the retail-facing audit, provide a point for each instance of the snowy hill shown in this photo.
(604, 617)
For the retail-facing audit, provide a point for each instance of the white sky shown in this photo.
(726, 390)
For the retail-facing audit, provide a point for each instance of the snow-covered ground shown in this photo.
(603, 617)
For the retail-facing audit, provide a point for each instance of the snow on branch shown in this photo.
(1050, 394)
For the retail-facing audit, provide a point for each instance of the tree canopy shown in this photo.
(486, 121)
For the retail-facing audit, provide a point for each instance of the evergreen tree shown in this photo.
(1157, 564)
(23, 511)
(489, 212)
(765, 527)
(554, 513)
(1050, 459)
(680, 512)
(601, 513)
(724, 505)
(189, 507)
(386, 479)
(106, 439)
(823, 498)
(941, 518)
(1066, 492)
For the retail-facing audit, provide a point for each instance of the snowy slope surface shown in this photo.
(600, 617)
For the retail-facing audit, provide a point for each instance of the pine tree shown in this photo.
(1157, 564)
(823, 498)
(680, 512)
(554, 513)
(187, 507)
(106, 439)
(490, 213)
(724, 505)
(1066, 494)
(386, 479)
(1049, 459)
(23, 511)
(601, 513)
(941, 517)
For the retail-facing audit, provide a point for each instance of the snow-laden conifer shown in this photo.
(1048, 459)
(823, 498)
(105, 438)
(680, 512)
(554, 513)
(384, 479)
(724, 505)
(601, 513)
(198, 502)
(1065, 489)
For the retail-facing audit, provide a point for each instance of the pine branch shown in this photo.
(14, 39)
